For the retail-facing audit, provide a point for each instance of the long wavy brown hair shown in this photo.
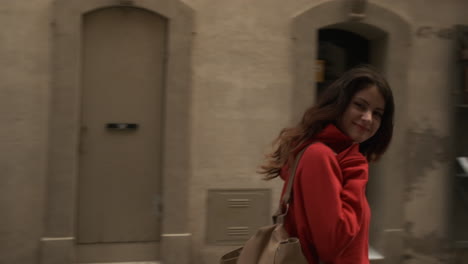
(329, 108)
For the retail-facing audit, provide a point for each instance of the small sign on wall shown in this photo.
(319, 71)
(465, 87)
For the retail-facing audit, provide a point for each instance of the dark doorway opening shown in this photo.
(338, 51)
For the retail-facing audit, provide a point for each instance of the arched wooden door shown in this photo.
(123, 58)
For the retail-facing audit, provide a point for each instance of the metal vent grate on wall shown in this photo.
(239, 203)
(238, 231)
(235, 214)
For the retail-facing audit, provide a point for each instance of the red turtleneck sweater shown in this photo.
(329, 210)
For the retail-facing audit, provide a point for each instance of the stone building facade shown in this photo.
(176, 102)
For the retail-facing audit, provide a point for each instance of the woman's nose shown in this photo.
(367, 116)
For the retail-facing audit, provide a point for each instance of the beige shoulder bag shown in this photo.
(271, 244)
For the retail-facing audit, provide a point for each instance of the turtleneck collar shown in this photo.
(334, 138)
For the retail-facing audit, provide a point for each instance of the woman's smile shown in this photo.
(363, 128)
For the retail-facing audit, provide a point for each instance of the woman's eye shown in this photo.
(378, 114)
(359, 105)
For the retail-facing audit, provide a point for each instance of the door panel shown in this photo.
(122, 82)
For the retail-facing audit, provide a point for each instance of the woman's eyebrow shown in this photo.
(363, 100)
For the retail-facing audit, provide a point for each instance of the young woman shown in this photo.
(351, 125)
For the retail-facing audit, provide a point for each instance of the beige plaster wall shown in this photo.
(24, 100)
(432, 82)
(242, 85)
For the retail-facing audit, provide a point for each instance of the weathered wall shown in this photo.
(242, 86)
(432, 83)
(24, 98)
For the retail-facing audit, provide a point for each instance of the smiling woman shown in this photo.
(362, 117)
(351, 124)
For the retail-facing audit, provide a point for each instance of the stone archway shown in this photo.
(392, 34)
(58, 242)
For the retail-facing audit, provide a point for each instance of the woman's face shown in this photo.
(363, 115)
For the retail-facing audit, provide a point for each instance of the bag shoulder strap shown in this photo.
(278, 217)
(292, 174)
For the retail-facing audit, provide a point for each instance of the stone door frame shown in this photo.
(58, 242)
